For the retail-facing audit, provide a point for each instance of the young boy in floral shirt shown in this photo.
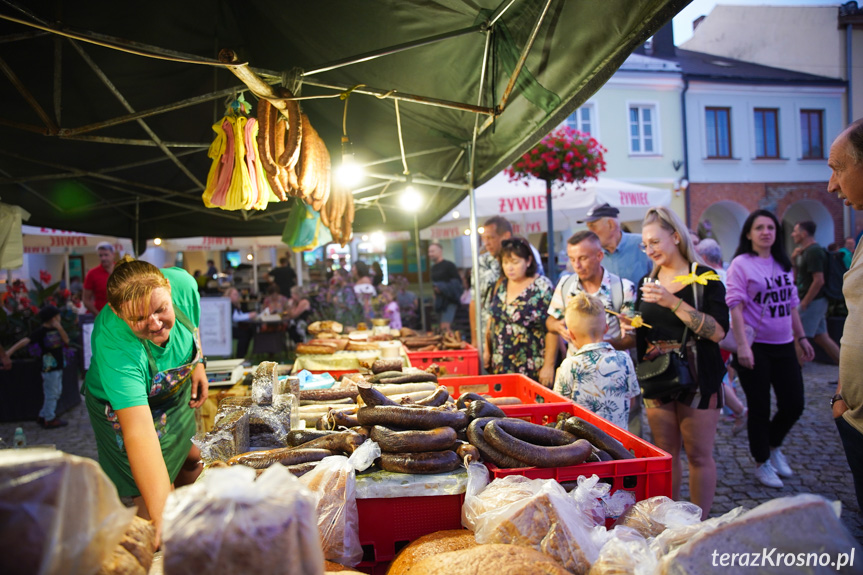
(597, 376)
(51, 338)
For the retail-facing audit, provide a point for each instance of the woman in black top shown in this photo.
(687, 418)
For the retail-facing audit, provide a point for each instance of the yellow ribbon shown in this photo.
(691, 278)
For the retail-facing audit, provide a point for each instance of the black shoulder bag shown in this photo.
(671, 372)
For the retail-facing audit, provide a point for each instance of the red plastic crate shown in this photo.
(388, 524)
(507, 385)
(648, 475)
(455, 361)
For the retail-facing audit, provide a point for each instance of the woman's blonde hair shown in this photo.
(671, 222)
(131, 285)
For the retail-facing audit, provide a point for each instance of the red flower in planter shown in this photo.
(44, 277)
(563, 156)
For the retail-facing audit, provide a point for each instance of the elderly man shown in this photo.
(846, 161)
(496, 229)
(96, 281)
(623, 255)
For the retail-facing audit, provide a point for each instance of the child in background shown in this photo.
(391, 309)
(597, 377)
(50, 337)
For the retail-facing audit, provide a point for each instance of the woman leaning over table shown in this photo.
(518, 339)
(687, 418)
(761, 294)
(145, 379)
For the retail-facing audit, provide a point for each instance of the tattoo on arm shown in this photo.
(701, 323)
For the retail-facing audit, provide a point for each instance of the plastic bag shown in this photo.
(587, 496)
(674, 537)
(625, 552)
(227, 522)
(548, 521)
(651, 517)
(617, 503)
(309, 380)
(265, 382)
(477, 481)
(334, 481)
(60, 513)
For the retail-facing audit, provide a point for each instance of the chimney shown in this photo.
(663, 41)
(697, 22)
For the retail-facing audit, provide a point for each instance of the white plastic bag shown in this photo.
(650, 517)
(59, 514)
(548, 521)
(625, 551)
(477, 481)
(334, 482)
(227, 522)
(587, 495)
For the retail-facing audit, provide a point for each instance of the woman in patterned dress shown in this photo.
(518, 341)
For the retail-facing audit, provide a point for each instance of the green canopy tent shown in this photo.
(108, 107)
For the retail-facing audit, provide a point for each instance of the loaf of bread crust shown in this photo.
(315, 349)
(331, 568)
(431, 545)
(491, 559)
(362, 346)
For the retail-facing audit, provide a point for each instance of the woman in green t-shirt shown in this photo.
(146, 377)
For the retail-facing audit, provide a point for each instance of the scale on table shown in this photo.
(222, 372)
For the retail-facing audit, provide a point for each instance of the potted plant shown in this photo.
(563, 157)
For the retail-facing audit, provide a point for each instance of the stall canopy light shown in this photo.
(480, 230)
(250, 257)
(157, 241)
(467, 231)
(349, 173)
(455, 215)
(410, 199)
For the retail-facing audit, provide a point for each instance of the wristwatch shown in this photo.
(835, 398)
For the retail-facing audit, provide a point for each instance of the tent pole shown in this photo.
(420, 272)
(298, 267)
(66, 268)
(255, 269)
(552, 268)
(474, 239)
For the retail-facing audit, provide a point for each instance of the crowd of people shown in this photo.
(655, 334)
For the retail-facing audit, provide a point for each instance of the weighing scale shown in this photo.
(222, 372)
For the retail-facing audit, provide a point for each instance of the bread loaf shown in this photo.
(362, 346)
(326, 325)
(491, 559)
(315, 349)
(431, 545)
(331, 568)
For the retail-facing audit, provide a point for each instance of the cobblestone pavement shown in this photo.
(813, 450)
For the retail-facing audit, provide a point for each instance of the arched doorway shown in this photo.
(803, 210)
(726, 219)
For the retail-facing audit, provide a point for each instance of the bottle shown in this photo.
(19, 439)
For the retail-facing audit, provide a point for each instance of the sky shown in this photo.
(683, 21)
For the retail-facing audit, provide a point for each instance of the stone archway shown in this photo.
(815, 211)
(726, 220)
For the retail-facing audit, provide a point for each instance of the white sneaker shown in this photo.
(767, 475)
(779, 463)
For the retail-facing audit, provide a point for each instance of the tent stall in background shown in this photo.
(525, 206)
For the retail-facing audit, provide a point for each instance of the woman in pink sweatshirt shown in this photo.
(760, 292)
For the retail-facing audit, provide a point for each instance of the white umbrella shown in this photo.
(525, 206)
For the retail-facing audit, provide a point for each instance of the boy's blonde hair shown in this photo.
(586, 314)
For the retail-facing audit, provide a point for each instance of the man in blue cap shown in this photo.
(623, 255)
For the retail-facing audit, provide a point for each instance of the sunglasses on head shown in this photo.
(512, 242)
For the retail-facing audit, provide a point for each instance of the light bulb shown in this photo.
(157, 241)
(467, 231)
(480, 230)
(455, 215)
(410, 199)
(250, 257)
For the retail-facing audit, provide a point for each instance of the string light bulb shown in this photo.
(157, 241)
(410, 199)
(349, 172)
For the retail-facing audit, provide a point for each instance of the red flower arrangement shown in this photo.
(563, 156)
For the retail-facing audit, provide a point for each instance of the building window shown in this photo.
(718, 122)
(812, 134)
(642, 136)
(581, 120)
(766, 133)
